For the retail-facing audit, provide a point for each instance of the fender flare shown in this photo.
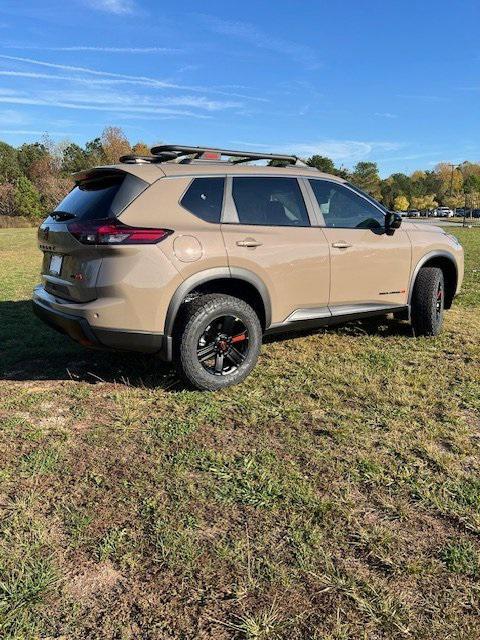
(209, 275)
(422, 261)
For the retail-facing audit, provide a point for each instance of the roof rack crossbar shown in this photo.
(245, 156)
(134, 159)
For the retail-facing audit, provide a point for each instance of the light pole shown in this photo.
(464, 223)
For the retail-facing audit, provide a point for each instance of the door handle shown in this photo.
(341, 245)
(249, 242)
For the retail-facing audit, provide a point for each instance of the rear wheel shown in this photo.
(218, 342)
(428, 300)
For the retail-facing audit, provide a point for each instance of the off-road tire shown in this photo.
(427, 304)
(196, 316)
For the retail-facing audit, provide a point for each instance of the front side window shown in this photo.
(342, 208)
(204, 198)
(270, 201)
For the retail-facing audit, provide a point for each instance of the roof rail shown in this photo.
(181, 151)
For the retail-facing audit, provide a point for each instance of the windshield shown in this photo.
(365, 195)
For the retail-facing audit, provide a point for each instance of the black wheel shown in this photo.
(428, 301)
(218, 342)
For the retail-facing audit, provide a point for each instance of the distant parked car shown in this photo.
(444, 212)
(475, 213)
(413, 213)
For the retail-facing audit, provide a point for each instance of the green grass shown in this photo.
(333, 495)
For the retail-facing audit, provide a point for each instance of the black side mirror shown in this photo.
(392, 221)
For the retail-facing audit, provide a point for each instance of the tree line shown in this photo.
(447, 184)
(36, 176)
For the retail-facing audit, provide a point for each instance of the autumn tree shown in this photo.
(398, 184)
(424, 202)
(454, 200)
(7, 199)
(114, 145)
(49, 181)
(141, 149)
(450, 177)
(400, 203)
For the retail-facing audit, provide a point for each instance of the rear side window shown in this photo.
(204, 198)
(102, 196)
(270, 201)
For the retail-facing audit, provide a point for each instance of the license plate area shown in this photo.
(55, 266)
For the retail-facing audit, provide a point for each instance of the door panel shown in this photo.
(368, 266)
(292, 262)
(372, 267)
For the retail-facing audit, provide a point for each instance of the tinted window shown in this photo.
(204, 198)
(270, 201)
(343, 208)
(102, 197)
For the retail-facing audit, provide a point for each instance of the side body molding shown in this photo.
(422, 261)
(210, 275)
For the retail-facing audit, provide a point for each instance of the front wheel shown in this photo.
(428, 300)
(218, 342)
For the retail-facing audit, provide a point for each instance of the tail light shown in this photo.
(112, 231)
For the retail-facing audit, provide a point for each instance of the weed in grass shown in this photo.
(23, 587)
(111, 544)
(76, 523)
(173, 536)
(263, 624)
(461, 556)
(40, 461)
(256, 479)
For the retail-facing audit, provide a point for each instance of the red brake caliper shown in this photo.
(239, 338)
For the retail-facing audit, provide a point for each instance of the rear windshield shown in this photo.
(101, 197)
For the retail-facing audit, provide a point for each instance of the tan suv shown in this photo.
(194, 257)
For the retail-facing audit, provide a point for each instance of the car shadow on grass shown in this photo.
(381, 326)
(32, 351)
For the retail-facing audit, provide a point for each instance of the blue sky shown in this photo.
(397, 82)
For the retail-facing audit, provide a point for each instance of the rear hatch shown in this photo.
(70, 267)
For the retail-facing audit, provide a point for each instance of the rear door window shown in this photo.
(275, 202)
(102, 196)
(204, 198)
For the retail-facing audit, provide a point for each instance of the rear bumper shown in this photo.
(80, 330)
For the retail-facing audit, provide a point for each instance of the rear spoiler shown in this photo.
(147, 172)
(96, 172)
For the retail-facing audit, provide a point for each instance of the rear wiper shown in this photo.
(61, 216)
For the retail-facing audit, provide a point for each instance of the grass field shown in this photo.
(334, 495)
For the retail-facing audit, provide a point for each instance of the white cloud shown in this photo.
(118, 7)
(112, 102)
(11, 117)
(100, 49)
(423, 98)
(385, 114)
(109, 77)
(256, 37)
(29, 132)
(349, 151)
